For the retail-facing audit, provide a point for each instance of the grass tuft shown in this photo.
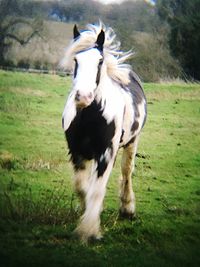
(51, 207)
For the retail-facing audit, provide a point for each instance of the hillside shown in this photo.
(43, 52)
(152, 61)
(167, 47)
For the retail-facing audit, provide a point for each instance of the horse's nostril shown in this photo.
(90, 95)
(77, 96)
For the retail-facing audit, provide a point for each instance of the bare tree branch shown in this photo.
(13, 21)
(21, 41)
(8, 32)
(24, 41)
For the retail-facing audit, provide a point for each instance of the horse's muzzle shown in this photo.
(83, 101)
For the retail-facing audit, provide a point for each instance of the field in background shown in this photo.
(38, 210)
(44, 52)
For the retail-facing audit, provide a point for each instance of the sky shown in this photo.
(110, 1)
(120, 1)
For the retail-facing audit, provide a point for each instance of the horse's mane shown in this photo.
(113, 57)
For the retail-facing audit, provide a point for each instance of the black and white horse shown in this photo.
(105, 111)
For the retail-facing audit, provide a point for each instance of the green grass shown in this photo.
(39, 211)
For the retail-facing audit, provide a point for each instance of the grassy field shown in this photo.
(39, 211)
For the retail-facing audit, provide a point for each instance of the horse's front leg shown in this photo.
(89, 226)
(82, 174)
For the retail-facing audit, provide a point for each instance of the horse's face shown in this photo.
(87, 71)
(86, 76)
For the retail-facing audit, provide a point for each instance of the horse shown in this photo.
(105, 111)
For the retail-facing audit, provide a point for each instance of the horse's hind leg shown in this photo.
(127, 195)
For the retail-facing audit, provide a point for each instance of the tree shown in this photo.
(184, 39)
(10, 20)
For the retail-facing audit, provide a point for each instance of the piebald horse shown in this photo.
(105, 111)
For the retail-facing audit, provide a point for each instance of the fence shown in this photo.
(39, 71)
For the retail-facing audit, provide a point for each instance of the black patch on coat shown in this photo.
(101, 166)
(122, 135)
(137, 93)
(99, 72)
(88, 137)
(135, 126)
(130, 142)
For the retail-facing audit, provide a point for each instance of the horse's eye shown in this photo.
(100, 61)
(76, 67)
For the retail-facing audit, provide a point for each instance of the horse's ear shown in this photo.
(100, 40)
(76, 32)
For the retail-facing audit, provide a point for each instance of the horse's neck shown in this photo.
(104, 89)
(111, 98)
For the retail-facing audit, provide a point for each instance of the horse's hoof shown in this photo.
(95, 239)
(127, 215)
(87, 239)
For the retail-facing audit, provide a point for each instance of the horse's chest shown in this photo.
(89, 134)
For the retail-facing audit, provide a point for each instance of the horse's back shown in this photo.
(135, 109)
(136, 89)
